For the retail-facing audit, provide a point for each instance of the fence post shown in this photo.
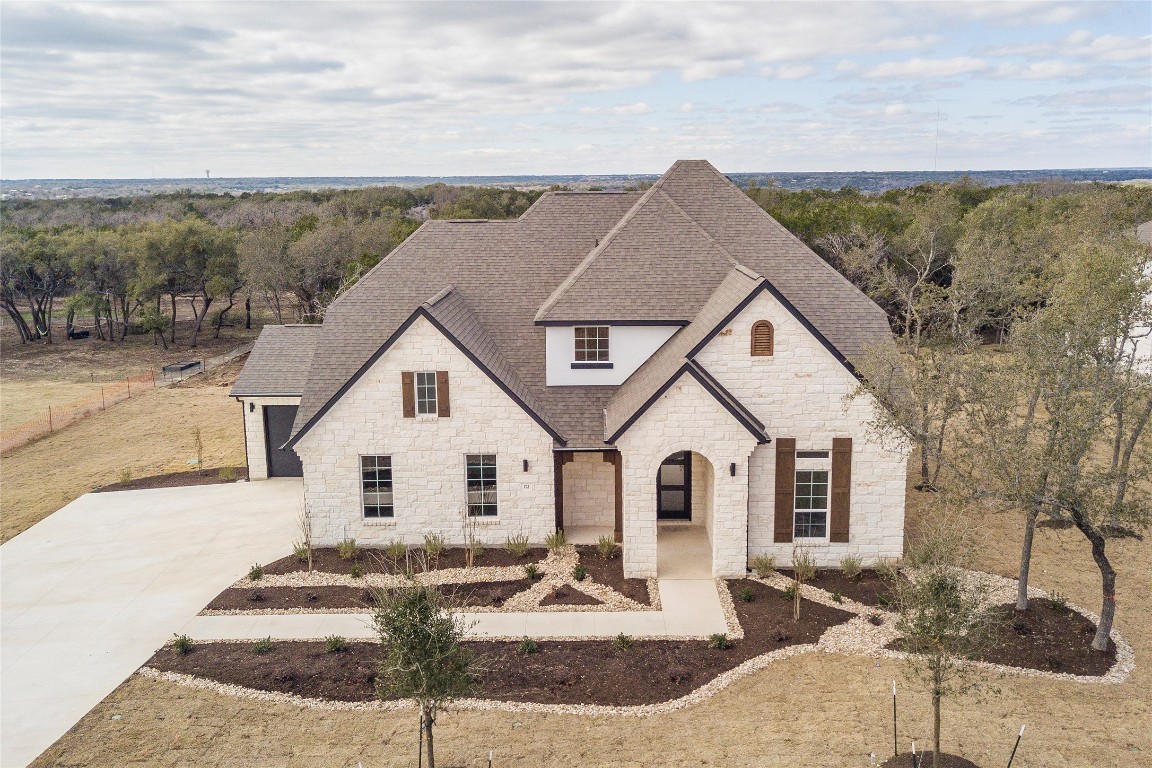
(128, 381)
(153, 372)
(103, 406)
(49, 418)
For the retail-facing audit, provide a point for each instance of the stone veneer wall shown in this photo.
(803, 392)
(428, 453)
(254, 433)
(685, 418)
(589, 490)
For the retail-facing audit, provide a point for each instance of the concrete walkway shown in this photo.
(88, 594)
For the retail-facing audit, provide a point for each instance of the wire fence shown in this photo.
(56, 417)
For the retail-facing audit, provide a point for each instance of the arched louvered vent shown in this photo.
(763, 339)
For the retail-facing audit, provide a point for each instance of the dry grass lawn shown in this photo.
(146, 435)
(814, 710)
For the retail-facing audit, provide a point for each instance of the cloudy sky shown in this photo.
(109, 90)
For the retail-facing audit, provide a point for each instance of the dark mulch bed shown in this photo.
(566, 595)
(327, 560)
(591, 671)
(1050, 638)
(610, 573)
(176, 480)
(868, 588)
(258, 598)
(1045, 637)
(904, 760)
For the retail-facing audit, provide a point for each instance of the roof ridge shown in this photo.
(588, 260)
(443, 294)
(700, 229)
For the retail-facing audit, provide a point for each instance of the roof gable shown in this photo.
(278, 363)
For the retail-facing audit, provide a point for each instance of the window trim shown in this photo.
(420, 402)
(600, 356)
(826, 510)
(391, 514)
(495, 486)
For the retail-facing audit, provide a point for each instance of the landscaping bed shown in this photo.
(328, 560)
(258, 598)
(178, 479)
(869, 588)
(924, 760)
(569, 595)
(1047, 637)
(560, 672)
(610, 573)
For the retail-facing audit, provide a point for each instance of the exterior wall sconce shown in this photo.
(251, 407)
(732, 469)
(525, 465)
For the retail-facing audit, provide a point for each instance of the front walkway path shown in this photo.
(89, 593)
(689, 607)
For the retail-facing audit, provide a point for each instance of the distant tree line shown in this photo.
(125, 263)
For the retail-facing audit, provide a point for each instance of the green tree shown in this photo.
(422, 654)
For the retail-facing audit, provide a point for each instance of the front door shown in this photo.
(674, 488)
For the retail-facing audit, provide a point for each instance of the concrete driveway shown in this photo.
(89, 593)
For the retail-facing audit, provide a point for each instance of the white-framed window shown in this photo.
(426, 393)
(376, 486)
(811, 521)
(481, 479)
(592, 344)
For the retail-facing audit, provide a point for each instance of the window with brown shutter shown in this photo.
(763, 339)
(408, 390)
(841, 502)
(785, 489)
(442, 407)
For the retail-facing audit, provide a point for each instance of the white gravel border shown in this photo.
(556, 570)
(857, 637)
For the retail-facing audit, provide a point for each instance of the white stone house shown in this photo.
(608, 363)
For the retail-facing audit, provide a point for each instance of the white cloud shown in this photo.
(639, 108)
(916, 69)
(686, 107)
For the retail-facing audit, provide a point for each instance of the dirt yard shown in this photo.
(816, 709)
(37, 375)
(147, 435)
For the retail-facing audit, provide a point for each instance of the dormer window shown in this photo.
(591, 347)
(763, 339)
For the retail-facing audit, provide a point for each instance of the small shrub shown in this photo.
(531, 572)
(394, 550)
(719, 641)
(780, 635)
(182, 644)
(527, 646)
(790, 592)
(263, 646)
(875, 619)
(256, 572)
(851, 567)
(126, 475)
(311, 597)
(356, 571)
(256, 596)
(888, 569)
(763, 565)
(884, 600)
(517, 544)
(803, 566)
(335, 644)
(747, 595)
(555, 541)
(837, 598)
(622, 641)
(607, 547)
(434, 545)
(579, 572)
(285, 676)
(348, 550)
(227, 474)
(1059, 599)
(300, 551)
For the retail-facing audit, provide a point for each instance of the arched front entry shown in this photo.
(684, 487)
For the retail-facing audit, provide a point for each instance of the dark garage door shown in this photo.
(277, 427)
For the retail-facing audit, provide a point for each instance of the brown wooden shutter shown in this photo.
(443, 406)
(408, 386)
(841, 501)
(785, 489)
(762, 339)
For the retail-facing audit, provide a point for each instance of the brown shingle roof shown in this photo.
(279, 361)
(670, 255)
